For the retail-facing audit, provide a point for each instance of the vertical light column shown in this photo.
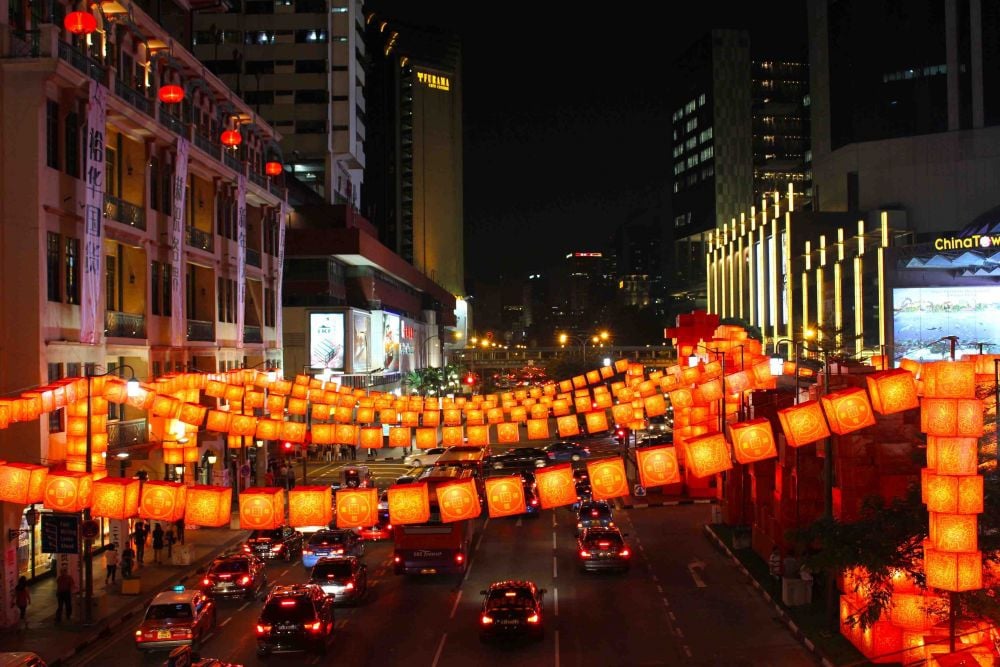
(805, 284)
(721, 244)
(741, 267)
(751, 266)
(820, 300)
(884, 221)
(709, 271)
(859, 318)
(761, 282)
(838, 289)
(772, 265)
(786, 250)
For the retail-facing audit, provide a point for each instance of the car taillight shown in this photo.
(584, 553)
(278, 547)
(534, 618)
(551, 455)
(245, 580)
(459, 558)
(307, 552)
(184, 632)
(338, 551)
(349, 586)
(579, 525)
(138, 635)
(485, 619)
(315, 627)
(625, 553)
(593, 512)
(206, 582)
(263, 629)
(586, 450)
(397, 559)
(534, 501)
(246, 547)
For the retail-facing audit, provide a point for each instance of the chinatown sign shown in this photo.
(967, 242)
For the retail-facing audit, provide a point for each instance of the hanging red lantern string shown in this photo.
(231, 138)
(171, 94)
(80, 23)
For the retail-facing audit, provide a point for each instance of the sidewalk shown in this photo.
(57, 643)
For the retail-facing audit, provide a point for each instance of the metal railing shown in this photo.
(123, 433)
(24, 44)
(82, 62)
(124, 212)
(252, 334)
(258, 179)
(363, 380)
(654, 355)
(253, 257)
(198, 238)
(200, 331)
(124, 325)
(275, 189)
(133, 97)
(207, 145)
(232, 161)
(172, 122)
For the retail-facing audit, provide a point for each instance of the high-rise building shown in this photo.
(300, 65)
(638, 260)
(780, 129)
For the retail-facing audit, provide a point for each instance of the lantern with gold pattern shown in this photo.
(310, 506)
(556, 486)
(409, 503)
(458, 501)
(208, 506)
(607, 478)
(505, 496)
(658, 466)
(262, 508)
(357, 507)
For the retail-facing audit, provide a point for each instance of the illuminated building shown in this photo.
(638, 255)
(780, 129)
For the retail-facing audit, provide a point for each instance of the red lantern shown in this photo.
(272, 168)
(892, 391)
(569, 425)
(231, 138)
(22, 483)
(67, 491)
(115, 498)
(658, 466)
(80, 23)
(556, 486)
(431, 417)
(956, 417)
(949, 379)
(310, 506)
(954, 533)
(953, 494)
(458, 501)
(357, 507)
(952, 456)
(707, 455)
(607, 478)
(293, 432)
(427, 438)
(597, 422)
(262, 508)
(848, 410)
(162, 501)
(399, 436)
(371, 437)
(508, 433)
(171, 94)
(409, 503)
(753, 440)
(505, 496)
(478, 435)
(953, 571)
(345, 434)
(538, 429)
(209, 506)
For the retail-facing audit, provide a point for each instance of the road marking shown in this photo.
(555, 599)
(672, 617)
(553, 541)
(659, 589)
(656, 578)
(556, 636)
(223, 624)
(468, 569)
(245, 605)
(679, 632)
(340, 624)
(695, 567)
(555, 568)
(520, 522)
(554, 524)
(207, 637)
(687, 650)
(283, 573)
(454, 607)
(437, 656)
(666, 602)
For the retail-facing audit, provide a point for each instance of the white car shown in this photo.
(424, 457)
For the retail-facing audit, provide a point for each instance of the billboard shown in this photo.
(360, 342)
(390, 342)
(326, 341)
(407, 347)
(922, 316)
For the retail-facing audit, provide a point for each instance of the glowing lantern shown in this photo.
(458, 501)
(262, 508)
(409, 503)
(80, 23)
(519, 414)
(655, 405)
(431, 417)
(173, 456)
(582, 404)
(410, 418)
(293, 432)
(494, 415)
(171, 94)
(597, 422)
(298, 406)
(507, 433)
(803, 424)
(953, 571)
(310, 506)
(452, 417)
(707, 455)
(478, 435)
(162, 501)
(892, 391)
(848, 410)
(538, 429)
(622, 414)
(451, 436)
(608, 478)
(67, 491)
(710, 391)
(357, 507)
(568, 426)
(115, 498)
(345, 434)
(658, 466)
(209, 506)
(679, 398)
(243, 425)
(949, 379)
(275, 404)
(427, 438)
(738, 382)
(556, 486)
(366, 415)
(22, 483)
(268, 429)
(952, 456)
(953, 494)
(322, 434)
(272, 168)
(911, 610)
(215, 389)
(371, 437)
(234, 393)
(957, 417)
(399, 436)
(753, 440)
(954, 533)
(218, 421)
(540, 411)
(505, 496)
(231, 138)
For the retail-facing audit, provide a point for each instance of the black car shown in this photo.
(594, 514)
(295, 618)
(511, 608)
(519, 457)
(565, 450)
(343, 579)
(235, 575)
(284, 542)
(603, 549)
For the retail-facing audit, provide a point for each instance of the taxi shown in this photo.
(178, 617)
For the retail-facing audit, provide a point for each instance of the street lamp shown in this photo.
(179, 473)
(122, 462)
(594, 339)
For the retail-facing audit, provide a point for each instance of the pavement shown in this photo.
(57, 643)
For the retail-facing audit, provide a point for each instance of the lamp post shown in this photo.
(594, 339)
(179, 473)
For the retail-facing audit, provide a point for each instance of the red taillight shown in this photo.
(397, 559)
(138, 635)
(263, 629)
(459, 558)
(534, 501)
(349, 586)
(485, 620)
(624, 552)
(307, 552)
(593, 512)
(288, 603)
(206, 582)
(551, 455)
(338, 551)
(278, 547)
(246, 547)
(534, 618)
(584, 553)
(244, 581)
(604, 545)
(314, 627)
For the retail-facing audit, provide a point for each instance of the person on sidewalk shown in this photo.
(157, 543)
(22, 598)
(139, 535)
(128, 561)
(269, 478)
(64, 594)
(179, 529)
(171, 540)
(111, 560)
(774, 567)
(290, 477)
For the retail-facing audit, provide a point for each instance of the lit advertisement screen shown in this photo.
(922, 316)
(360, 348)
(326, 341)
(390, 340)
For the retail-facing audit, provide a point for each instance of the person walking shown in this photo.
(64, 594)
(139, 535)
(22, 598)
(157, 543)
(171, 540)
(328, 454)
(180, 530)
(283, 476)
(128, 561)
(111, 560)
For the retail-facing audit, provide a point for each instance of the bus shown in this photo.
(433, 547)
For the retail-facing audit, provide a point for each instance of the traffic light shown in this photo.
(621, 433)
(287, 447)
(470, 379)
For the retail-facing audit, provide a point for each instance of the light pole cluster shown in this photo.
(595, 339)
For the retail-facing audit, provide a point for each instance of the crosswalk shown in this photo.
(384, 472)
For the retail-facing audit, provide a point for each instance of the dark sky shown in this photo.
(567, 125)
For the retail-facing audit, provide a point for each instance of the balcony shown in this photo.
(133, 97)
(125, 433)
(172, 122)
(200, 331)
(252, 334)
(276, 189)
(124, 325)
(207, 145)
(197, 238)
(24, 44)
(82, 62)
(258, 179)
(232, 161)
(365, 380)
(124, 212)
(253, 257)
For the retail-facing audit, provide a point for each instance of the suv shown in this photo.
(295, 618)
(332, 544)
(594, 514)
(278, 543)
(177, 617)
(235, 574)
(511, 608)
(343, 579)
(602, 549)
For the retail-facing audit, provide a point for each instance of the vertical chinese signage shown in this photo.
(91, 324)
(241, 259)
(177, 322)
(280, 287)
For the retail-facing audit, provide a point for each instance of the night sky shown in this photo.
(566, 113)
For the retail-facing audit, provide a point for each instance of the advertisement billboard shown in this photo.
(922, 316)
(390, 342)
(326, 341)
(361, 361)
(407, 346)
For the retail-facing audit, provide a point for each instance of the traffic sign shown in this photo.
(639, 491)
(60, 534)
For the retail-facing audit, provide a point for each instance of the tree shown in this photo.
(433, 381)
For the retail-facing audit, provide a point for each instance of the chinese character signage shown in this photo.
(178, 332)
(326, 341)
(91, 321)
(241, 257)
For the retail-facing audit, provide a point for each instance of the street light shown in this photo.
(122, 462)
(594, 339)
(179, 473)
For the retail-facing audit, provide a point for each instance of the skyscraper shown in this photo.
(780, 128)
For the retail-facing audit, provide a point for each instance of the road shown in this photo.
(658, 613)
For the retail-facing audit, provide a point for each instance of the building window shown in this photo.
(705, 135)
(52, 267)
(154, 279)
(690, 107)
(73, 270)
(154, 182)
(690, 125)
(56, 416)
(679, 167)
(707, 153)
(72, 130)
(310, 66)
(166, 275)
(52, 134)
(690, 143)
(310, 127)
(702, 99)
(310, 6)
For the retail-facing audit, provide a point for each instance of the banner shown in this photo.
(178, 330)
(280, 286)
(91, 307)
(241, 258)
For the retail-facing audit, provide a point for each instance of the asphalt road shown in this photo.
(658, 613)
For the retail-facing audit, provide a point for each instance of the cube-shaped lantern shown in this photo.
(67, 491)
(538, 429)
(753, 440)
(409, 503)
(494, 415)
(954, 533)
(954, 494)
(452, 436)
(707, 455)
(262, 508)
(607, 478)
(218, 421)
(431, 418)
(427, 438)
(293, 432)
(115, 498)
(710, 391)
(597, 422)
(658, 466)
(458, 501)
(679, 398)
(560, 407)
(508, 433)
(192, 414)
(803, 424)
(366, 415)
(452, 417)
(371, 437)
(621, 413)
(952, 456)
(953, 571)
(893, 391)
(654, 405)
(208, 506)
(388, 416)
(568, 426)
(505, 496)
(310, 506)
(323, 434)
(556, 486)
(243, 425)
(22, 483)
(357, 508)
(268, 429)
(519, 414)
(400, 436)
(949, 379)
(410, 418)
(162, 501)
(848, 410)
(955, 417)
(478, 435)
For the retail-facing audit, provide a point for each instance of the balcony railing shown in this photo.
(232, 161)
(24, 44)
(172, 122)
(200, 331)
(207, 145)
(253, 257)
(276, 189)
(123, 433)
(258, 179)
(197, 238)
(364, 380)
(124, 212)
(252, 334)
(82, 62)
(133, 97)
(124, 325)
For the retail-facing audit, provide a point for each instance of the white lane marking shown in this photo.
(666, 603)
(672, 617)
(223, 624)
(437, 655)
(555, 568)
(656, 579)
(207, 637)
(468, 569)
(553, 541)
(454, 607)
(283, 573)
(695, 568)
(555, 599)
(687, 650)
(659, 589)
(556, 636)
(245, 605)
(679, 632)
(554, 524)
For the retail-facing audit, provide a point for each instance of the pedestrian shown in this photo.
(283, 475)
(139, 535)
(269, 478)
(170, 539)
(64, 594)
(128, 560)
(336, 452)
(180, 530)
(774, 566)
(157, 543)
(22, 598)
(290, 477)
(354, 452)
(111, 560)
(328, 454)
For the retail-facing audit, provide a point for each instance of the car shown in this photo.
(528, 477)
(581, 475)
(405, 479)
(356, 477)
(592, 514)
(21, 659)
(565, 450)
(425, 457)
(297, 617)
(511, 608)
(236, 575)
(332, 543)
(519, 457)
(584, 492)
(381, 530)
(177, 617)
(603, 549)
(284, 542)
(344, 579)
(183, 656)
(657, 439)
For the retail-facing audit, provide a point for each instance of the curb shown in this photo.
(137, 607)
(669, 503)
(785, 618)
